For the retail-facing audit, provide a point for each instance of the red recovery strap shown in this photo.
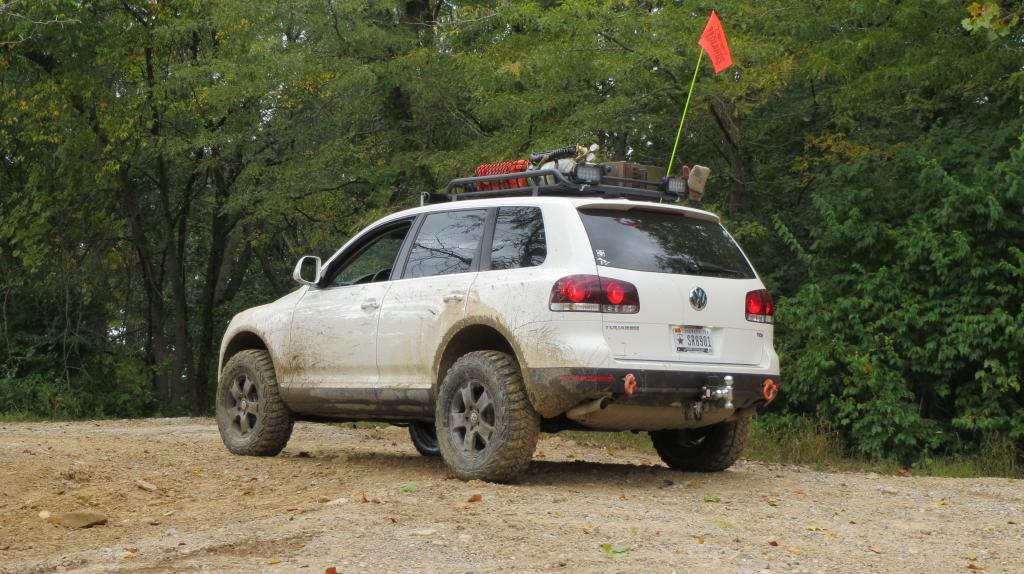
(501, 168)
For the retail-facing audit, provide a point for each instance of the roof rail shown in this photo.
(539, 182)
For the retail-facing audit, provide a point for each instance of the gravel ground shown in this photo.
(362, 500)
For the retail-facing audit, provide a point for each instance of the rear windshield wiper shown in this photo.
(714, 267)
(693, 264)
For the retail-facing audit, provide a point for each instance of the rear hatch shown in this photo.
(692, 280)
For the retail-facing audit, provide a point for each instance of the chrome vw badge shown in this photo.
(698, 298)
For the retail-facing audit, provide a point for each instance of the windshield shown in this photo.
(663, 243)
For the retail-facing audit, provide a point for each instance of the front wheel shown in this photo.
(486, 427)
(707, 449)
(250, 414)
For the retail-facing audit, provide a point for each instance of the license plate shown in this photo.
(692, 339)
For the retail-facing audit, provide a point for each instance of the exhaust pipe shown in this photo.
(584, 409)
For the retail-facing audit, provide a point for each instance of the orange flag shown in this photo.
(713, 41)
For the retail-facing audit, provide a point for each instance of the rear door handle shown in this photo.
(370, 304)
(452, 297)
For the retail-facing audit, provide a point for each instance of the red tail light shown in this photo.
(615, 293)
(594, 294)
(577, 290)
(759, 307)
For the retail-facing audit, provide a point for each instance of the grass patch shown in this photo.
(794, 440)
(18, 417)
(997, 457)
(636, 441)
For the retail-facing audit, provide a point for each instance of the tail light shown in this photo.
(594, 294)
(759, 307)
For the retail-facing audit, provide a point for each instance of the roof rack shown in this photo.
(538, 183)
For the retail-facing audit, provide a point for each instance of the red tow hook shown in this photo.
(629, 384)
(769, 390)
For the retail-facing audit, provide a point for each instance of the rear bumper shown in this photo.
(555, 390)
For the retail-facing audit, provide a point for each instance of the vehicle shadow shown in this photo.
(554, 473)
(544, 472)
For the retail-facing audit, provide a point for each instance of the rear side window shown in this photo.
(518, 238)
(663, 243)
(446, 243)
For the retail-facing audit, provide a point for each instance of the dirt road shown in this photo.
(362, 500)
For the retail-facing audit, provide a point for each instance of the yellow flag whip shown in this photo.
(685, 108)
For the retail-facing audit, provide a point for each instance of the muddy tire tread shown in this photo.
(523, 422)
(278, 421)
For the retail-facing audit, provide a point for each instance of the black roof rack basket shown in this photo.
(539, 182)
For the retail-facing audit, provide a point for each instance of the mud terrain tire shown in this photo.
(250, 415)
(709, 449)
(424, 438)
(486, 427)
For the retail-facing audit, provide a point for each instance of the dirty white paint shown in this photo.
(416, 315)
(270, 322)
(333, 340)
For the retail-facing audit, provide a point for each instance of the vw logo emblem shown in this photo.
(698, 298)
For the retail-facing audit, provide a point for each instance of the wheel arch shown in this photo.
(241, 341)
(475, 334)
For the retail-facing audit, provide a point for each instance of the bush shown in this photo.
(909, 333)
(107, 386)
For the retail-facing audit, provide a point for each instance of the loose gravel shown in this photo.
(362, 500)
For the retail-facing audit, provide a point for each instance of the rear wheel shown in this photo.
(250, 414)
(707, 449)
(424, 438)
(486, 427)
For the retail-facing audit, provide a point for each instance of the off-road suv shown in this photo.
(549, 299)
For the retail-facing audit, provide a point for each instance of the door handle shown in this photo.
(370, 304)
(452, 297)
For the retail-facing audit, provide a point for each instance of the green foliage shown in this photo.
(989, 17)
(54, 372)
(913, 309)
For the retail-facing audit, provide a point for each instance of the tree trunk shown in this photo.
(220, 227)
(727, 118)
(156, 346)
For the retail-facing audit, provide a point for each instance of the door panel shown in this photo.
(415, 316)
(334, 336)
(430, 298)
(692, 279)
(332, 349)
(665, 304)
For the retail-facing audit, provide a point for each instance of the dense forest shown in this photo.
(164, 163)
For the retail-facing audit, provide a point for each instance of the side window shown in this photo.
(446, 243)
(374, 261)
(518, 238)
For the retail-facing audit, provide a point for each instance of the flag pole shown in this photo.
(685, 107)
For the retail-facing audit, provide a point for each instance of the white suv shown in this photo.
(480, 322)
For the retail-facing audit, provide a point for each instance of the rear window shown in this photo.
(446, 243)
(518, 238)
(663, 243)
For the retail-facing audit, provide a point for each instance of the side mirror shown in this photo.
(307, 270)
